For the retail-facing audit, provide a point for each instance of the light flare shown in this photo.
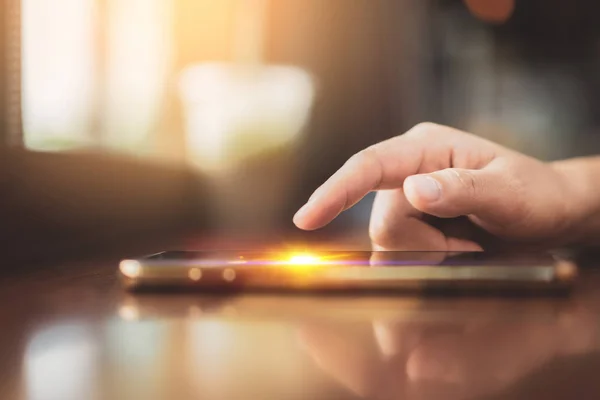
(304, 259)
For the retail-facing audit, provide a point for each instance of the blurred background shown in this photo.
(270, 97)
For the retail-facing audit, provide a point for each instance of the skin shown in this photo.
(439, 188)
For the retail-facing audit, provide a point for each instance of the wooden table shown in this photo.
(70, 332)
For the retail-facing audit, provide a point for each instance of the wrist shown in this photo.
(580, 178)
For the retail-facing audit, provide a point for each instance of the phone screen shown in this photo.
(339, 270)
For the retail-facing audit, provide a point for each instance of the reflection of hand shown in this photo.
(436, 171)
(451, 359)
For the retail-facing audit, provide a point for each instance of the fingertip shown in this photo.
(300, 218)
(306, 218)
(321, 209)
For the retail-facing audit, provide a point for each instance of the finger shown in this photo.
(382, 166)
(396, 225)
(455, 192)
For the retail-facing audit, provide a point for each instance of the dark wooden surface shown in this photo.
(70, 332)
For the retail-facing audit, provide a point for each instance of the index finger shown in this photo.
(381, 166)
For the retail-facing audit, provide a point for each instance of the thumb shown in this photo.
(455, 192)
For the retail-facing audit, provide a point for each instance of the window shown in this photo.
(93, 72)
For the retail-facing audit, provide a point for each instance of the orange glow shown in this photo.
(308, 258)
(303, 259)
(494, 11)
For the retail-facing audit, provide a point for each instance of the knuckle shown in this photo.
(466, 180)
(518, 191)
(516, 187)
(424, 130)
(367, 156)
(370, 152)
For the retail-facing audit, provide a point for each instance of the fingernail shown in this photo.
(426, 187)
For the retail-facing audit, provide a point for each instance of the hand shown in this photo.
(437, 171)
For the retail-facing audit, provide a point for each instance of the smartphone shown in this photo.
(339, 271)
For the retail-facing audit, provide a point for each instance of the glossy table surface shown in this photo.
(71, 332)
